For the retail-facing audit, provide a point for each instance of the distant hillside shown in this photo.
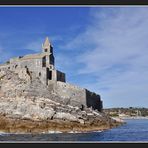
(131, 111)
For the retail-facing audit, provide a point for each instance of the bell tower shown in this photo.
(47, 47)
(47, 51)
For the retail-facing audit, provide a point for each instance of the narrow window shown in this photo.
(44, 61)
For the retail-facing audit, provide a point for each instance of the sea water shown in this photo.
(135, 130)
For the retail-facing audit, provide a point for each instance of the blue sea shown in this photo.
(135, 130)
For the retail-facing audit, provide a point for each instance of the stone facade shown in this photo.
(42, 66)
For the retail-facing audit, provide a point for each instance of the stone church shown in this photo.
(42, 66)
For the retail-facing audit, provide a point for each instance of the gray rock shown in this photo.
(65, 116)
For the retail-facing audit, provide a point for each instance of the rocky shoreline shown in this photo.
(9, 125)
(28, 107)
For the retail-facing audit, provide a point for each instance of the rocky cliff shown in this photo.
(26, 105)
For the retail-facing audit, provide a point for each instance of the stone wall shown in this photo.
(31, 64)
(93, 100)
(75, 96)
(61, 76)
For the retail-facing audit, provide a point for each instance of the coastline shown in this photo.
(8, 125)
(54, 132)
(117, 135)
(137, 118)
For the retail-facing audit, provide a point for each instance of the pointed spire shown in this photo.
(46, 43)
(46, 46)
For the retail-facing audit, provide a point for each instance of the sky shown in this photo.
(103, 49)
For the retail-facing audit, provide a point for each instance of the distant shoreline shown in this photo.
(126, 118)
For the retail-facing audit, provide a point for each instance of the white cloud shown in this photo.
(119, 55)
